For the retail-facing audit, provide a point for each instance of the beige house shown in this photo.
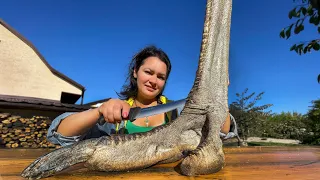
(28, 81)
(25, 72)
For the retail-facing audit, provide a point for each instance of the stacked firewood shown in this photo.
(17, 131)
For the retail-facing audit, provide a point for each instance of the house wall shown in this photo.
(23, 73)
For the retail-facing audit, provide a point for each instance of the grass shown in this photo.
(270, 144)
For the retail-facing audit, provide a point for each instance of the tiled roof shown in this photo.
(38, 103)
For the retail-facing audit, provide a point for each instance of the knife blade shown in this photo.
(138, 112)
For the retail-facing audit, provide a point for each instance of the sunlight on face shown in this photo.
(151, 77)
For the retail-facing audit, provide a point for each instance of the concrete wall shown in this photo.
(23, 73)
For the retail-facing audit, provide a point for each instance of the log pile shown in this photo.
(17, 131)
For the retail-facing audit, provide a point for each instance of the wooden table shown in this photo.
(241, 163)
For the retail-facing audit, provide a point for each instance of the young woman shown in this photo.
(148, 73)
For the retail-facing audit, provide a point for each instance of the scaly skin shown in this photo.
(120, 152)
(194, 135)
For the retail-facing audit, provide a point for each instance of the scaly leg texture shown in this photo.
(208, 158)
(58, 160)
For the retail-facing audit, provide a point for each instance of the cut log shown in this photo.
(4, 115)
(14, 145)
(8, 145)
(27, 129)
(17, 131)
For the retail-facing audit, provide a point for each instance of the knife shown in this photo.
(138, 112)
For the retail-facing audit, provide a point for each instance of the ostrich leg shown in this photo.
(210, 88)
(205, 109)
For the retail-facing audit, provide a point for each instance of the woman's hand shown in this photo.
(114, 110)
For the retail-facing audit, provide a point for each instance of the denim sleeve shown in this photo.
(233, 130)
(56, 138)
(95, 132)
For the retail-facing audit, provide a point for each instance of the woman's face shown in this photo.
(151, 77)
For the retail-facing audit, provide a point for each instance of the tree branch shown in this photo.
(304, 42)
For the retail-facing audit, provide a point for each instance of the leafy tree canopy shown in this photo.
(248, 114)
(314, 115)
(305, 11)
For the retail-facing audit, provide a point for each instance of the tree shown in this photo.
(314, 121)
(306, 10)
(286, 125)
(249, 116)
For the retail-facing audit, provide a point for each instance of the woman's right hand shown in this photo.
(114, 110)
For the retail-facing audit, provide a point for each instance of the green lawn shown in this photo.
(271, 144)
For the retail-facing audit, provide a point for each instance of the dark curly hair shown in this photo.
(130, 88)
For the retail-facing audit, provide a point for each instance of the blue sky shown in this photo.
(92, 43)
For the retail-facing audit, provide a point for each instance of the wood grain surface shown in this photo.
(241, 163)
